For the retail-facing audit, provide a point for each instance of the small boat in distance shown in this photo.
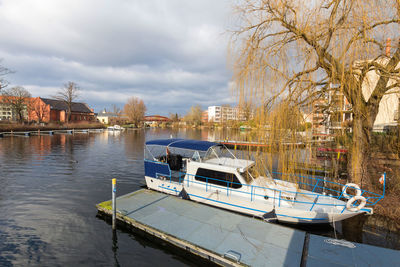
(115, 128)
(209, 173)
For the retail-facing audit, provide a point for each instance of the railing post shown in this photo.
(315, 186)
(279, 204)
(114, 203)
(341, 193)
(315, 201)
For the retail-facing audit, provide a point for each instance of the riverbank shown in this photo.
(48, 127)
(379, 163)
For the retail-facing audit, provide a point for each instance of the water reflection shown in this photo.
(115, 247)
(50, 185)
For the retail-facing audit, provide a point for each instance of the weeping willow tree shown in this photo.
(296, 52)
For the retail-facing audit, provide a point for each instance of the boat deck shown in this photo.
(229, 238)
(308, 202)
(177, 176)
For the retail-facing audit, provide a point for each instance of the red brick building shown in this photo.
(51, 110)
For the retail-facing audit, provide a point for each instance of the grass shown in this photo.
(106, 205)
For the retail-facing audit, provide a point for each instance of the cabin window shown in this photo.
(218, 178)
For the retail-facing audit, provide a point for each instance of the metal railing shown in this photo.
(339, 195)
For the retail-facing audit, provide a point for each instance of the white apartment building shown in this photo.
(388, 114)
(223, 114)
(7, 113)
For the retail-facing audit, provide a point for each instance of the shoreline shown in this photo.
(49, 127)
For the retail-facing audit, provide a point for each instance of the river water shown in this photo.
(49, 186)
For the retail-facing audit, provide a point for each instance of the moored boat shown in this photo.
(209, 173)
(115, 128)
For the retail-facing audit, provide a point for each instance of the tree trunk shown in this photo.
(361, 142)
(358, 151)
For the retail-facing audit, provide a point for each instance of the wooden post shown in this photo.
(114, 203)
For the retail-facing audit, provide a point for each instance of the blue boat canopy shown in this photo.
(183, 143)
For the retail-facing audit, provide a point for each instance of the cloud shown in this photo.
(172, 54)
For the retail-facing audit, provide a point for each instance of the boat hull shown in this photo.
(165, 186)
(227, 199)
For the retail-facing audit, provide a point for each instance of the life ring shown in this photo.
(356, 187)
(349, 204)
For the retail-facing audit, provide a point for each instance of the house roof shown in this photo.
(61, 105)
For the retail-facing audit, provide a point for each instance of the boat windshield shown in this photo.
(219, 151)
(254, 172)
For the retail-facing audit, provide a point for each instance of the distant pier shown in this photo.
(236, 144)
(49, 132)
(230, 239)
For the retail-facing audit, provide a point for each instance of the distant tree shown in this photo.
(135, 109)
(246, 109)
(194, 115)
(3, 71)
(18, 98)
(68, 94)
(116, 110)
(174, 117)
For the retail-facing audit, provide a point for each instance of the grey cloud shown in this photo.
(170, 53)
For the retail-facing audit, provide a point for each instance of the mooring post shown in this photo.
(114, 203)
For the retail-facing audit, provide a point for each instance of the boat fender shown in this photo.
(344, 190)
(349, 204)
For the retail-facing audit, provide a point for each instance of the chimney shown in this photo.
(387, 50)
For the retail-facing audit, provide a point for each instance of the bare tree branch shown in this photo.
(68, 94)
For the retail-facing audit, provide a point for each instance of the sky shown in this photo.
(171, 53)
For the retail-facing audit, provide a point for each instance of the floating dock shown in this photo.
(49, 132)
(231, 239)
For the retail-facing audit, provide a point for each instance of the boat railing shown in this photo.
(371, 197)
(254, 191)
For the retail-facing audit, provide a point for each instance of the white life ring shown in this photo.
(356, 187)
(349, 204)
